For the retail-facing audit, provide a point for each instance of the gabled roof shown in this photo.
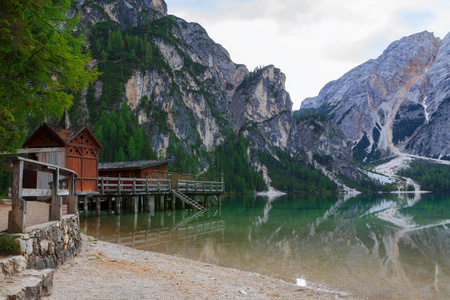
(127, 165)
(65, 136)
(64, 131)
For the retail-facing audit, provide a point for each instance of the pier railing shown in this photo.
(143, 186)
(133, 186)
(59, 187)
(191, 186)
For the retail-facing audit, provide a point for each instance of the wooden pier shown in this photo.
(144, 194)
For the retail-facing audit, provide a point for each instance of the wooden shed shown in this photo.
(79, 151)
(155, 169)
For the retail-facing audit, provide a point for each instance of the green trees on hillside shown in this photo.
(231, 159)
(291, 175)
(430, 176)
(41, 62)
(122, 138)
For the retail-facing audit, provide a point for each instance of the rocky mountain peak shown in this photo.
(389, 98)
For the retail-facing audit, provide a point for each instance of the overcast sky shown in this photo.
(311, 41)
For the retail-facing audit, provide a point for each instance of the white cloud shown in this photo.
(312, 42)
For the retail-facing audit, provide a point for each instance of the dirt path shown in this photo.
(108, 271)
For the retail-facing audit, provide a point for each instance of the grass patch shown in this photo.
(9, 245)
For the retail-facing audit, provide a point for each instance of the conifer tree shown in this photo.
(132, 149)
(120, 155)
(41, 63)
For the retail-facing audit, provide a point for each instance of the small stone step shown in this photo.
(11, 266)
(29, 284)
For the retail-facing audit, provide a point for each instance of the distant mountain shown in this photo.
(190, 99)
(399, 100)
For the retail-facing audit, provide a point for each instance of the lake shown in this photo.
(379, 247)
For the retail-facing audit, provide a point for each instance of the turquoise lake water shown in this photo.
(379, 247)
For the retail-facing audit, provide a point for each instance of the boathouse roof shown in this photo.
(64, 133)
(132, 165)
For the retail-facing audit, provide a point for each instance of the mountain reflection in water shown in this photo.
(386, 246)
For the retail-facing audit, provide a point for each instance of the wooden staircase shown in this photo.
(214, 200)
(188, 200)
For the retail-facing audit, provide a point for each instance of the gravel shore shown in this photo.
(103, 270)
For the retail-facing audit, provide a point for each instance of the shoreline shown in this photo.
(110, 271)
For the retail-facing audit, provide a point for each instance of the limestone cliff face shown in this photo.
(390, 100)
(261, 104)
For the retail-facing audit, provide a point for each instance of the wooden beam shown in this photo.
(17, 216)
(56, 208)
(36, 150)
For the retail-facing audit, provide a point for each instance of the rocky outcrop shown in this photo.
(127, 13)
(262, 108)
(433, 139)
(326, 144)
(388, 101)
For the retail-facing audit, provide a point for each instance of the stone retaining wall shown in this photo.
(50, 244)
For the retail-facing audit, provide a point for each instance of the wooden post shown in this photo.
(135, 223)
(72, 204)
(161, 202)
(173, 202)
(86, 203)
(97, 207)
(109, 205)
(135, 205)
(148, 203)
(119, 185)
(118, 200)
(142, 203)
(56, 210)
(18, 214)
(152, 205)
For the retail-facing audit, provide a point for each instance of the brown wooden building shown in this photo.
(134, 169)
(153, 169)
(79, 151)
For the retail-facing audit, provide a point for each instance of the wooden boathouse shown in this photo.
(64, 145)
(63, 165)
